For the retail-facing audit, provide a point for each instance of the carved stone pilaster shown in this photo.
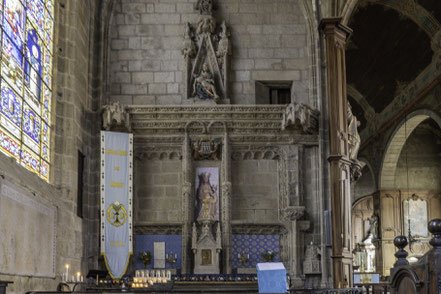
(226, 188)
(187, 205)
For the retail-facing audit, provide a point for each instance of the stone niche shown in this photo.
(251, 146)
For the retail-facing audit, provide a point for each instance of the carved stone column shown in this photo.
(187, 206)
(336, 35)
(226, 205)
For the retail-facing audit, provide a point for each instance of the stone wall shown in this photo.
(145, 64)
(157, 191)
(255, 191)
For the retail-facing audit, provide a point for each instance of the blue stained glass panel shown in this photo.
(11, 51)
(45, 132)
(45, 108)
(50, 7)
(31, 123)
(13, 21)
(9, 145)
(35, 9)
(33, 68)
(30, 160)
(44, 170)
(11, 105)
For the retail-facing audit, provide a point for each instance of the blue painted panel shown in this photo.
(254, 245)
(145, 243)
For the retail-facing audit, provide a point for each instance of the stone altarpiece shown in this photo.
(233, 137)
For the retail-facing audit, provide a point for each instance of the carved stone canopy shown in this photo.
(300, 116)
(116, 118)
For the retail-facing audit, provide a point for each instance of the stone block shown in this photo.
(271, 75)
(157, 88)
(144, 100)
(126, 30)
(165, 7)
(142, 78)
(133, 7)
(134, 43)
(118, 44)
(132, 89)
(121, 77)
(133, 18)
(165, 18)
(164, 77)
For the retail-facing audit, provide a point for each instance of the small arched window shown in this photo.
(26, 82)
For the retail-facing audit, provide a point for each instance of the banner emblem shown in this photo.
(116, 214)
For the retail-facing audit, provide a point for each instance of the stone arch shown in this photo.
(416, 13)
(396, 143)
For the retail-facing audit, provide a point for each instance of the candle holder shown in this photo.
(171, 258)
(243, 258)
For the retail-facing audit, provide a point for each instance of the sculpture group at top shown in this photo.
(206, 49)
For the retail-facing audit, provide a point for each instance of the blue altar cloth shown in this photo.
(271, 277)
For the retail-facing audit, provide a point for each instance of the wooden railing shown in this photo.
(424, 276)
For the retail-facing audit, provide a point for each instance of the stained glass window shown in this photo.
(25, 82)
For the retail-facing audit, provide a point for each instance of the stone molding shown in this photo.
(158, 229)
(268, 229)
(238, 120)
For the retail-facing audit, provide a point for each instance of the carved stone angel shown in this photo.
(353, 136)
(188, 46)
(224, 43)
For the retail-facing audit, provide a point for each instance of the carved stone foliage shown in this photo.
(206, 49)
(116, 117)
(207, 149)
(292, 213)
(300, 116)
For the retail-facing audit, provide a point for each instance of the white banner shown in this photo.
(116, 201)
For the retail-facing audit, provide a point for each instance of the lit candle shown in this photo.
(81, 278)
(67, 271)
(78, 276)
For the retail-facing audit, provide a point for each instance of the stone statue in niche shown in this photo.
(311, 265)
(204, 86)
(206, 55)
(204, 6)
(373, 227)
(224, 47)
(354, 142)
(206, 195)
